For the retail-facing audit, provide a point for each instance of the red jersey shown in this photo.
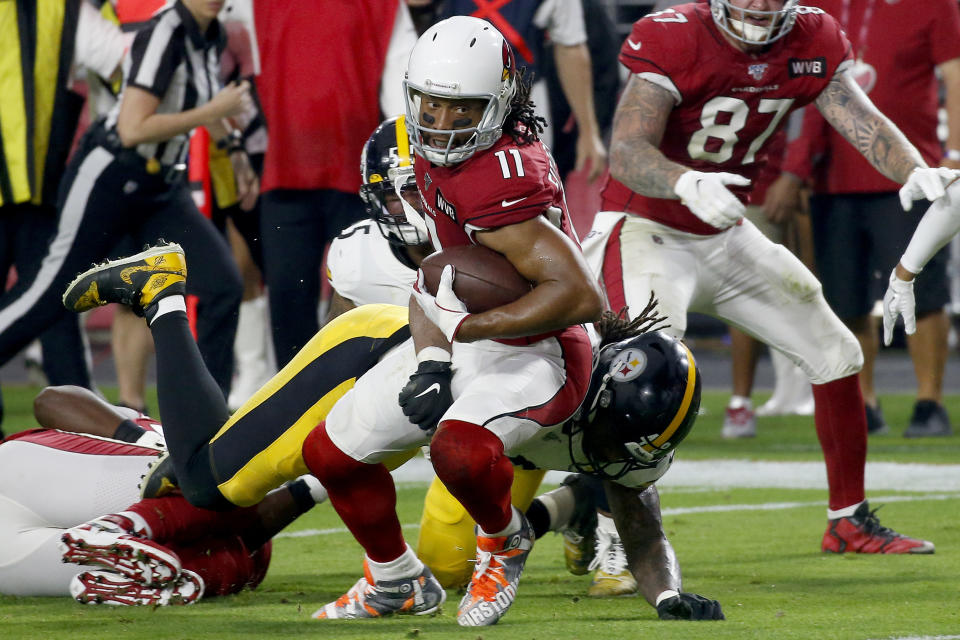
(898, 46)
(728, 103)
(503, 185)
(319, 88)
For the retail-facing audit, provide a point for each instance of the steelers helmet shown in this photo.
(642, 402)
(386, 167)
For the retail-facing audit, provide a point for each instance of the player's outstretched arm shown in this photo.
(638, 127)
(848, 110)
(78, 410)
(650, 555)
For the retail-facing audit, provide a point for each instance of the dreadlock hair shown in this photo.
(523, 125)
(614, 327)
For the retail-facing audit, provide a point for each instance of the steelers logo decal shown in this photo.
(630, 364)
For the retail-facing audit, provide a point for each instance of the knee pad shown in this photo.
(462, 452)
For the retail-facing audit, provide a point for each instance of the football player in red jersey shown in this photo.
(710, 83)
(485, 382)
(68, 497)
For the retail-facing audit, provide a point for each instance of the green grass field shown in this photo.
(756, 550)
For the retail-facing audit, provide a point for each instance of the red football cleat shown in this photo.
(862, 533)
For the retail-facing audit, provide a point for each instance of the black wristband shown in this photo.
(301, 495)
(128, 431)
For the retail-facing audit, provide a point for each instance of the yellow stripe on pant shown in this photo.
(259, 447)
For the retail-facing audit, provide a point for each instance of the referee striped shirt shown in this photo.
(172, 59)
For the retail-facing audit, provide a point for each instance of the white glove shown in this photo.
(926, 182)
(707, 196)
(445, 309)
(898, 301)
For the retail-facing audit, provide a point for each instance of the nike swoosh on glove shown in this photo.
(707, 196)
(926, 183)
(689, 606)
(427, 396)
(445, 309)
(898, 301)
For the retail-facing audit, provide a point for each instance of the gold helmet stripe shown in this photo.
(403, 142)
(681, 414)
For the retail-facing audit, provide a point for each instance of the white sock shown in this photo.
(168, 305)
(407, 565)
(846, 512)
(559, 504)
(739, 402)
(513, 527)
(606, 524)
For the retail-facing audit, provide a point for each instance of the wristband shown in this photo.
(952, 154)
(669, 593)
(436, 354)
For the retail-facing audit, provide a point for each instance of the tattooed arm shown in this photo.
(848, 109)
(638, 126)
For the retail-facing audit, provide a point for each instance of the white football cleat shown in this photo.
(107, 587)
(138, 559)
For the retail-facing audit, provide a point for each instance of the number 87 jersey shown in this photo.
(727, 103)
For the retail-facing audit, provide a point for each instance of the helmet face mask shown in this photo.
(461, 58)
(386, 168)
(643, 400)
(753, 27)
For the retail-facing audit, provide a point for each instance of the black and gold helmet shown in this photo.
(386, 167)
(643, 399)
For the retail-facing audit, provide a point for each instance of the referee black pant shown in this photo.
(25, 231)
(104, 196)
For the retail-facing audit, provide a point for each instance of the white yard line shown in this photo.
(746, 474)
(739, 474)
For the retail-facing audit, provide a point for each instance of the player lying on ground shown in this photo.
(72, 497)
(221, 460)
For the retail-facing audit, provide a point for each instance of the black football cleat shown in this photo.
(138, 281)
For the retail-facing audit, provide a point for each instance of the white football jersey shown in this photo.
(363, 268)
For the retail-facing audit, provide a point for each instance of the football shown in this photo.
(484, 279)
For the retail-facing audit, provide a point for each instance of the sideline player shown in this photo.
(241, 459)
(686, 139)
(76, 481)
(938, 225)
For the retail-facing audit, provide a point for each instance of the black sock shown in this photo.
(539, 518)
(128, 431)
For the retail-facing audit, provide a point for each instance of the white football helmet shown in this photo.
(461, 57)
(733, 21)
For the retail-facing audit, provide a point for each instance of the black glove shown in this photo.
(426, 397)
(689, 606)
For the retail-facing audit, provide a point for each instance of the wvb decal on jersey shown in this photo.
(815, 67)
